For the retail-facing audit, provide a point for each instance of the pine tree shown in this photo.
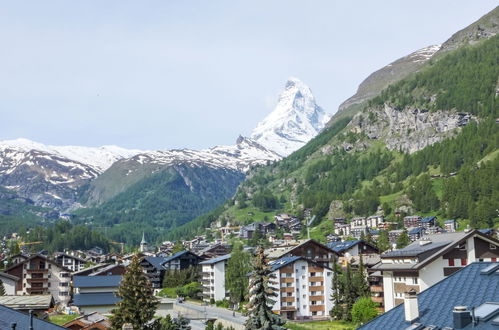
(349, 294)
(2, 289)
(360, 280)
(138, 304)
(261, 293)
(337, 311)
(403, 240)
(383, 241)
(236, 280)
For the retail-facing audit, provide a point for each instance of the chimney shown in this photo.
(461, 316)
(411, 308)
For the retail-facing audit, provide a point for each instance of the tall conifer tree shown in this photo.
(138, 303)
(261, 293)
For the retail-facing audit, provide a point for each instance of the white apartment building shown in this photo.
(213, 278)
(431, 259)
(304, 288)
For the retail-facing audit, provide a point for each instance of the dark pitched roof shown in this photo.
(156, 262)
(177, 255)
(415, 231)
(215, 260)
(95, 299)
(284, 261)
(9, 276)
(340, 247)
(9, 316)
(39, 256)
(428, 219)
(279, 263)
(414, 250)
(466, 287)
(96, 281)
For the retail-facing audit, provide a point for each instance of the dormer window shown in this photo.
(493, 247)
(461, 246)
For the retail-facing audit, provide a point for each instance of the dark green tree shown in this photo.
(236, 274)
(403, 240)
(363, 310)
(360, 284)
(337, 311)
(138, 304)
(261, 294)
(383, 242)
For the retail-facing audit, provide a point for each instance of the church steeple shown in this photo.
(143, 243)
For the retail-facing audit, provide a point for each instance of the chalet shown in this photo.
(353, 248)
(155, 267)
(264, 228)
(450, 225)
(304, 286)
(429, 222)
(309, 249)
(431, 259)
(416, 233)
(181, 260)
(468, 299)
(40, 275)
(96, 293)
(213, 251)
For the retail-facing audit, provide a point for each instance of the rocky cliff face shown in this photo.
(408, 130)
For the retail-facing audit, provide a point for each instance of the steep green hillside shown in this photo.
(346, 172)
(161, 201)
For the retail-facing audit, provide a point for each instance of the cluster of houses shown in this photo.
(303, 269)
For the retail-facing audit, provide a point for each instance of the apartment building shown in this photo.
(304, 288)
(71, 262)
(431, 259)
(213, 278)
(39, 275)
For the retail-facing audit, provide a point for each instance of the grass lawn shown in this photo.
(168, 292)
(320, 325)
(62, 319)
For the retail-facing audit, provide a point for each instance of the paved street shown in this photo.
(200, 313)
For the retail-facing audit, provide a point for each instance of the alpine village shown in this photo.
(382, 216)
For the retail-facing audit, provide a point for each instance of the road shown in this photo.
(199, 313)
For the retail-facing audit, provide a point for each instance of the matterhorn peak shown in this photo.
(295, 120)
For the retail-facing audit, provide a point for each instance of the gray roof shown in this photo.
(156, 262)
(95, 299)
(466, 287)
(9, 276)
(276, 264)
(9, 316)
(215, 260)
(27, 302)
(96, 281)
(440, 244)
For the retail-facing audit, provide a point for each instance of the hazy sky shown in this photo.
(174, 74)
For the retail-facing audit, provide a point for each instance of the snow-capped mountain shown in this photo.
(51, 175)
(97, 158)
(295, 120)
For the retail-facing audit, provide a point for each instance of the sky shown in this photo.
(194, 74)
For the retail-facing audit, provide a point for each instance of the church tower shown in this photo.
(143, 244)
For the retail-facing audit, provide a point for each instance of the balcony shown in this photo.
(316, 288)
(377, 299)
(287, 280)
(37, 280)
(288, 289)
(288, 308)
(376, 288)
(37, 270)
(315, 279)
(42, 290)
(316, 298)
(316, 308)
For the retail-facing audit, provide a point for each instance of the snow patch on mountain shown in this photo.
(99, 158)
(295, 120)
(240, 157)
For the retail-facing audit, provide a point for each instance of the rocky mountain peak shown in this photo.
(295, 120)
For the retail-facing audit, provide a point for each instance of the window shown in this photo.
(451, 262)
(328, 273)
(461, 246)
(63, 293)
(302, 267)
(464, 261)
(64, 284)
(414, 280)
(493, 247)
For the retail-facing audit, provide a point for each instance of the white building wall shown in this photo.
(301, 292)
(470, 247)
(388, 290)
(9, 286)
(219, 277)
(277, 287)
(431, 273)
(56, 288)
(328, 290)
